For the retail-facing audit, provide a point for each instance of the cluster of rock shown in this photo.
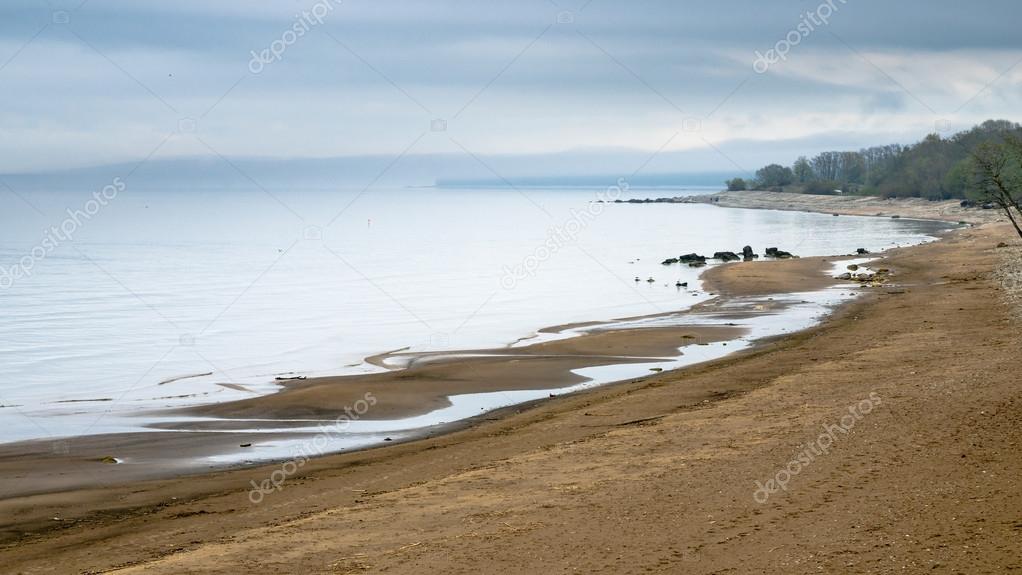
(865, 278)
(695, 260)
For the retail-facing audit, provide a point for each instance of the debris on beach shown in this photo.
(866, 279)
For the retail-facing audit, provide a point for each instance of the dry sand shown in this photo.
(919, 208)
(655, 475)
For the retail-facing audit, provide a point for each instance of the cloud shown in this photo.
(114, 80)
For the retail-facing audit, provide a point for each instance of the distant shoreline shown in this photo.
(914, 208)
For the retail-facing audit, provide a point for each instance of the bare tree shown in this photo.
(997, 169)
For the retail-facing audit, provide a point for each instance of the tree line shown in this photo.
(936, 168)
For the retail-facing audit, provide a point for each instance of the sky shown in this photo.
(694, 83)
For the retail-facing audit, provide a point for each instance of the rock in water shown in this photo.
(779, 254)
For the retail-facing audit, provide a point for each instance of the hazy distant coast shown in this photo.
(917, 208)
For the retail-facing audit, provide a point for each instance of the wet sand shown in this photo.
(432, 378)
(183, 446)
(770, 277)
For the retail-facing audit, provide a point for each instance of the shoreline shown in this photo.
(673, 446)
(197, 440)
(219, 437)
(872, 206)
(118, 420)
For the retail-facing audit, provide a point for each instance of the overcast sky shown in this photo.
(116, 80)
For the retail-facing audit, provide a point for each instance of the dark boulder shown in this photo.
(779, 254)
(726, 256)
(670, 261)
(692, 258)
(862, 251)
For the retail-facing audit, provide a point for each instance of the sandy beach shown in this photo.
(406, 287)
(914, 384)
(950, 210)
